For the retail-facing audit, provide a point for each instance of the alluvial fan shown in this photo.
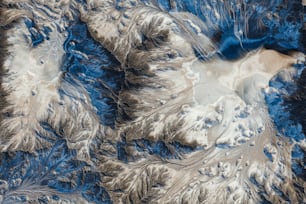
(152, 101)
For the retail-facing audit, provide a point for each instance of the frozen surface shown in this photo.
(152, 101)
